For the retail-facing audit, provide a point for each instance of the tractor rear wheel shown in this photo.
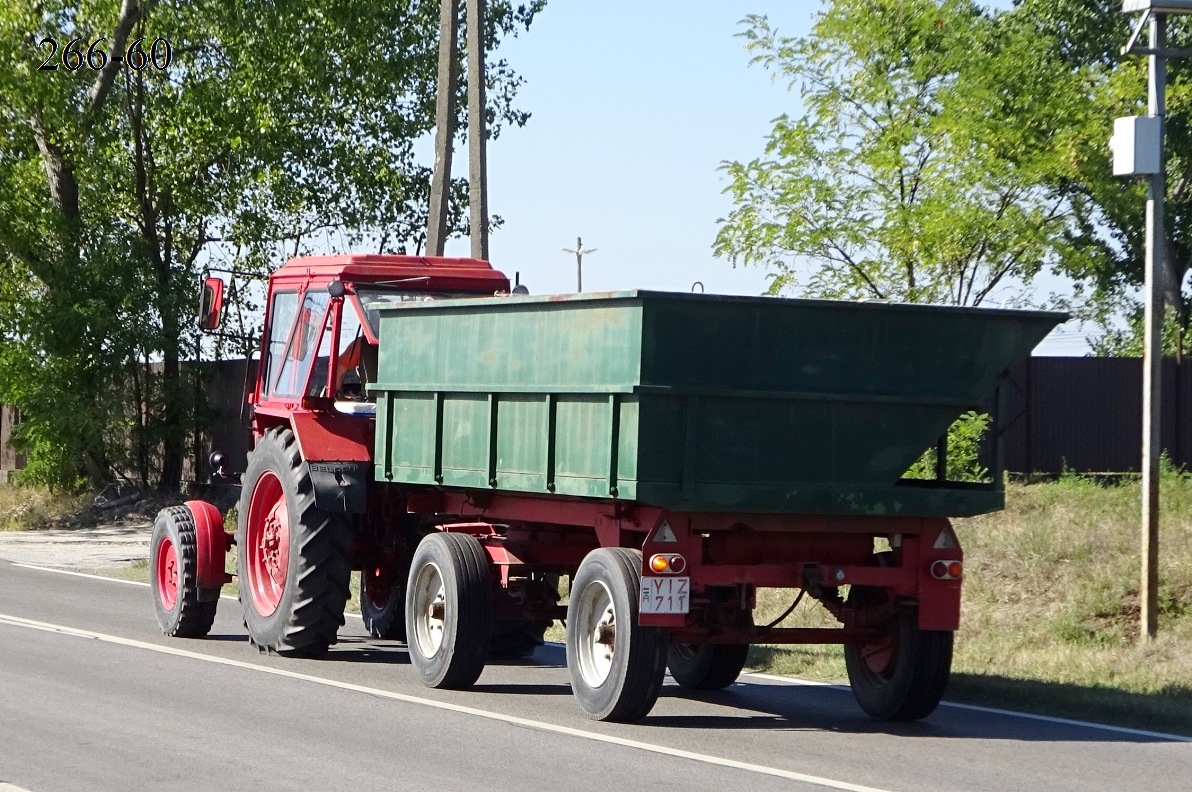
(900, 676)
(293, 559)
(616, 666)
(173, 576)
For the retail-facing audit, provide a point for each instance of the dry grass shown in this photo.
(35, 508)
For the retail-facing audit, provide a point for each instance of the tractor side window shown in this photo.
(281, 320)
(304, 341)
(352, 370)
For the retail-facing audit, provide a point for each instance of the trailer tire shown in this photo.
(517, 639)
(616, 665)
(383, 605)
(706, 666)
(294, 558)
(449, 610)
(902, 677)
(173, 576)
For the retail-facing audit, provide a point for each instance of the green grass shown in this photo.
(1050, 617)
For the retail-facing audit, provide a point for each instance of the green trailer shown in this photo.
(674, 453)
(691, 402)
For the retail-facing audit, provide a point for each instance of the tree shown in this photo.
(272, 126)
(920, 168)
(1087, 36)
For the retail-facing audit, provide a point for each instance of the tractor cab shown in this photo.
(319, 347)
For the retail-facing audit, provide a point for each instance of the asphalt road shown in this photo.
(93, 697)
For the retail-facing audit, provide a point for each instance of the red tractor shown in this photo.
(306, 516)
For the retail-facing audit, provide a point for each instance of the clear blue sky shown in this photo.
(634, 106)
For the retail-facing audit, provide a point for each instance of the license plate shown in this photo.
(665, 595)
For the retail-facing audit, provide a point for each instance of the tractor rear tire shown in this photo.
(173, 576)
(902, 676)
(449, 610)
(706, 666)
(293, 559)
(616, 666)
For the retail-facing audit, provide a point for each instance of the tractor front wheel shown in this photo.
(173, 576)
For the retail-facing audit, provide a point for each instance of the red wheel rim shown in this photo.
(268, 540)
(879, 655)
(167, 573)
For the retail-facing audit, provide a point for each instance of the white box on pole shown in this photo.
(1137, 145)
(1157, 6)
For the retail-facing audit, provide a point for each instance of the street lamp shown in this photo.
(1137, 147)
(579, 259)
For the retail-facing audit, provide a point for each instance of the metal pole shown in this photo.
(436, 223)
(579, 261)
(1153, 350)
(477, 133)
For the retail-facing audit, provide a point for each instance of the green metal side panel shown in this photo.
(689, 401)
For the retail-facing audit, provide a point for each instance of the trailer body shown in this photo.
(690, 402)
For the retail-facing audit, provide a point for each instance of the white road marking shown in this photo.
(785, 680)
(77, 574)
(231, 597)
(17, 621)
(10, 788)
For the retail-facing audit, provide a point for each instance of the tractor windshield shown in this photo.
(371, 300)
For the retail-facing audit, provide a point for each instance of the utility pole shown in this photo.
(448, 83)
(579, 262)
(477, 133)
(1138, 151)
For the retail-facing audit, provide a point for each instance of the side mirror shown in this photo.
(211, 304)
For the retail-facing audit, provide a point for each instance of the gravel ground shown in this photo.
(102, 547)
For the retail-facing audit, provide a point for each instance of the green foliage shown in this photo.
(1109, 226)
(964, 449)
(278, 127)
(914, 172)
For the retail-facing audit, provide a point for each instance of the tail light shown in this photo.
(947, 570)
(667, 564)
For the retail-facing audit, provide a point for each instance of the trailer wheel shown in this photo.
(616, 666)
(173, 578)
(383, 603)
(449, 610)
(902, 675)
(517, 640)
(293, 559)
(706, 666)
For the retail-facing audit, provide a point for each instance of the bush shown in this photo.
(964, 451)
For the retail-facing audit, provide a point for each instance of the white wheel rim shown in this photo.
(430, 603)
(596, 634)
